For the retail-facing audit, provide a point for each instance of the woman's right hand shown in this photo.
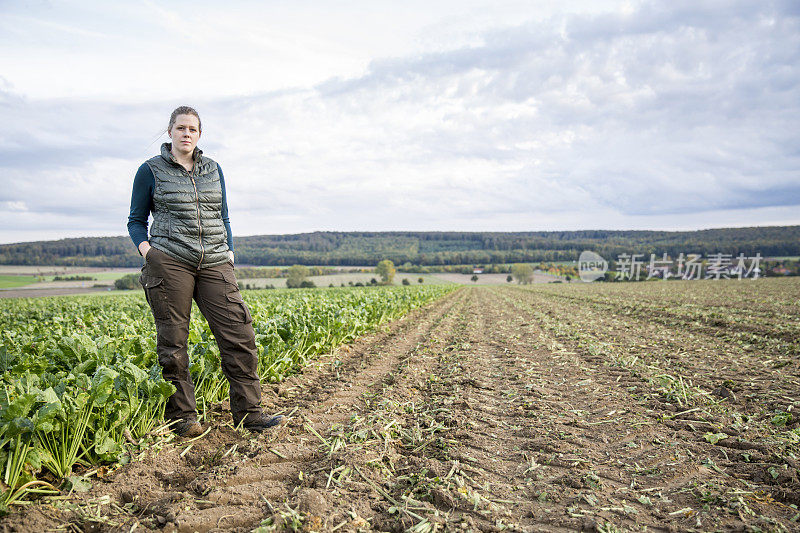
(144, 247)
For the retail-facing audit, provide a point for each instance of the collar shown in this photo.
(166, 153)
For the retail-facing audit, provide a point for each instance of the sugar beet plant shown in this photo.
(81, 376)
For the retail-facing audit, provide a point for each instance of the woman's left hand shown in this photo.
(230, 255)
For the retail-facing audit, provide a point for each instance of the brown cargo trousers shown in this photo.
(170, 285)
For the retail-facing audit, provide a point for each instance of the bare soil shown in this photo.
(472, 414)
(54, 291)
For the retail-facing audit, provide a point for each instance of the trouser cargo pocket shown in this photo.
(156, 295)
(237, 309)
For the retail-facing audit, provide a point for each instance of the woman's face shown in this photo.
(185, 133)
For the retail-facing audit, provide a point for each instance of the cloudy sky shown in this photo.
(385, 115)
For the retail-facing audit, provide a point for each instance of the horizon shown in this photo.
(432, 231)
(482, 116)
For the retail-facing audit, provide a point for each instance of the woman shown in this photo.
(190, 255)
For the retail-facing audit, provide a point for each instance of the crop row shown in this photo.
(760, 313)
(81, 376)
(721, 377)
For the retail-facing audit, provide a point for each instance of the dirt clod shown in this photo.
(312, 502)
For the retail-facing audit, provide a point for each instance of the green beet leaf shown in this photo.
(103, 384)
(78, 484)
(18, 407)
(105, 447)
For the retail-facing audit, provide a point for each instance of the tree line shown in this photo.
(427, 247)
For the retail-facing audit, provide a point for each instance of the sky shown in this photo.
(391, 116)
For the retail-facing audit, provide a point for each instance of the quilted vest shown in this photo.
(187, 210)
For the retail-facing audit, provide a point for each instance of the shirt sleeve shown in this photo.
(225, 219)
(141, 204)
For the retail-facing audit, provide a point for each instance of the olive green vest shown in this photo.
(187, 210)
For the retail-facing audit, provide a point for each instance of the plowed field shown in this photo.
(663, 406)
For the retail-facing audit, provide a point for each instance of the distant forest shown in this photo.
(428, 247)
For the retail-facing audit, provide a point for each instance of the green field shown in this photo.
(8, 282)
(43, 276)
(80, 373)
(109, 275)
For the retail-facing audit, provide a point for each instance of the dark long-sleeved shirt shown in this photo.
(142, 205)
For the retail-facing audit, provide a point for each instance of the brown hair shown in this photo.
(184, 110)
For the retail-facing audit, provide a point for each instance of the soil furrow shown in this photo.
(493, 409)
(365, 366)
(679, 461)
(690, 355)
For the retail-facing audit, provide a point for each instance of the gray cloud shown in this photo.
(655, 101)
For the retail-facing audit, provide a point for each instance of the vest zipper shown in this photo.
(199, 223)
